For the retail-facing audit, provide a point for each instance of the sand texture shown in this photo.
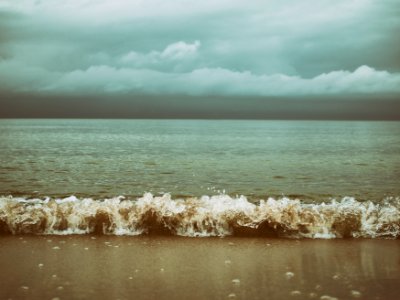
(110, 267)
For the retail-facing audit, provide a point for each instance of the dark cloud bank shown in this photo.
(204, 107)
(204, 59)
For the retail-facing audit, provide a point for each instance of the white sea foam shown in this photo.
(218, 215)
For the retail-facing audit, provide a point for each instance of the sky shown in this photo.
(209, 58)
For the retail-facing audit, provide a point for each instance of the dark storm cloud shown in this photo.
(204, 107)
(198, 48)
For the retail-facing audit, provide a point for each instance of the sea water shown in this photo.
(200, 177)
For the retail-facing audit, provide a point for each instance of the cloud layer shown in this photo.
(200, 47)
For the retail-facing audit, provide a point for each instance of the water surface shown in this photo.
(314, 160)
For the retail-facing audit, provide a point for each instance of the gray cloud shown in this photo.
(226, 82)
(203, 81)
(200, 48)
(178, 56)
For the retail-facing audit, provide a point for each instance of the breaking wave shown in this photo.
(218, 215)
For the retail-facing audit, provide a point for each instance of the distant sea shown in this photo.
(200, 177)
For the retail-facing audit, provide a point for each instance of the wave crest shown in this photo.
(218, 215)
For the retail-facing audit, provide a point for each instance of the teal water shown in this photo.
(309, 160)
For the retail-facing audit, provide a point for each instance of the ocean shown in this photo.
(313, 179)
(199, 209)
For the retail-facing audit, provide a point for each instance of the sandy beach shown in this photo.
(109, 267)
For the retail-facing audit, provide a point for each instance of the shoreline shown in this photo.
(165, 267)
(208, 216)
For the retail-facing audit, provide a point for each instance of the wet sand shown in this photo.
(109, 267)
